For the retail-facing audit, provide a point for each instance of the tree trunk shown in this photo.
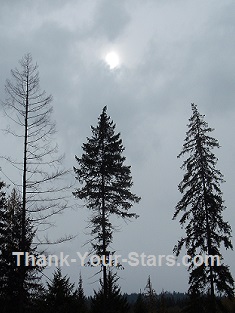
(104, 247)
(23, 221)
(208, 231)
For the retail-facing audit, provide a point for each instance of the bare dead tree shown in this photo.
(43, 186)
(44, 192)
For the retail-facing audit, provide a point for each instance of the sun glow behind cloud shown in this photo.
(112, 59)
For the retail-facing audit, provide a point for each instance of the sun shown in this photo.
(112, 59)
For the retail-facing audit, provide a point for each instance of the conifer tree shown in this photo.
(115, 302)
(162, 302)
(60, 294)
(140, 304)
(81, 300)
(201, 209)
(10, 240)
(3, 235)
(106, 183)
(150, 297)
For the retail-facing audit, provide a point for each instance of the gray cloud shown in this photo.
(172, 54)
(110, 19)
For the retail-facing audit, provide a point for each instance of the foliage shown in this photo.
(10, 240)
(140, 304)
(201, 207)
(115, 302)
(106, 183)
(60, 296)
(150, 297)
(81, 301)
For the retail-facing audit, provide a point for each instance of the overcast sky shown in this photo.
(172, 53)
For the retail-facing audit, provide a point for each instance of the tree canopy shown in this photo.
(201, 208)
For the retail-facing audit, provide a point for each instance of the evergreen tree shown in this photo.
(10, 239)
(140, 304)
(60, 295)
(80, 297)
(115, 302)
(106, 184)
(201, 207)
(162, 303)
(150, 297)
(3, 236)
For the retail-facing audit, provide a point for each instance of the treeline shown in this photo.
(104, 184)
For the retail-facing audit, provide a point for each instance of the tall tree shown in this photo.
(29, 109)
(201, 208)
(106, 183)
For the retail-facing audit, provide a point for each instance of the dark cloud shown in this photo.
(172, 54)
(110, 19)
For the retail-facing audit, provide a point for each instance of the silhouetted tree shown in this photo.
(60, 294)
(29, 109)
(150, 297)
(106, 185)
(140, 305)
(201, 207)
(81, 301)
(115, 302)
(162, 304)
(10, 240)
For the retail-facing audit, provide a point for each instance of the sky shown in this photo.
(172, 54)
